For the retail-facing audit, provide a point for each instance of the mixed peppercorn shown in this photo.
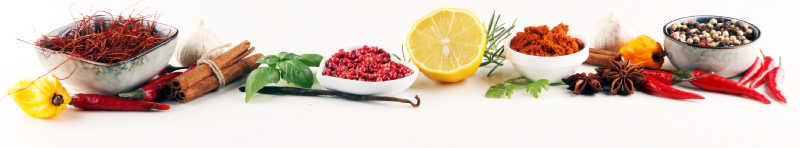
(713, 33)
(371, 64)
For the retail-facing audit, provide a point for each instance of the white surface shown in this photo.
(451, 115)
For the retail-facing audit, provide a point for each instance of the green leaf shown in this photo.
(284, 56)
(312, 60)
(535, 87)
(500, 90)
(258, 78)
(295, 72)
(270, 60)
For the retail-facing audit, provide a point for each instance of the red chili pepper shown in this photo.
(191, 66)
(153, 89)
(101, 102)
(775, 76)
(721, 84)
(658, 88)
(754, 68)
(765, 69)
(661, 76)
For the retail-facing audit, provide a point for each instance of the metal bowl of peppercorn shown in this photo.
(724, 45)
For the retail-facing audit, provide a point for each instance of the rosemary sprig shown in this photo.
(402, 57)
(496, 33)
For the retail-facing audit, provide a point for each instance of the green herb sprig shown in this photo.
(496, 33)
(402, 57)
(287, 66)
(506, 89)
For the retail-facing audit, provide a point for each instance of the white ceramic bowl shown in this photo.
(109, 79)
(724, 61)
(551, 68)
(368, 88)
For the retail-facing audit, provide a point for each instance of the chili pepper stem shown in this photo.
(686, 75)
(135, 94)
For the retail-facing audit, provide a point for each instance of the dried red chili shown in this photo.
(154, 89)
(101, 102)
(657, 87)
(365, 64)
(716, 83)
(106, 39)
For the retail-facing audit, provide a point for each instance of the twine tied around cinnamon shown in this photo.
(213, 73)
(217, 71)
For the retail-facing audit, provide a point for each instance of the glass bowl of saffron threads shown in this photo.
(107, 54)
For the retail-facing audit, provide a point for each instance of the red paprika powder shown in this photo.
(540, 41)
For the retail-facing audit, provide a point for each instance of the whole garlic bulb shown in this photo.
(198, 44)
(611, 34)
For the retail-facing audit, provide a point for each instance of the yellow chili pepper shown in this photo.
(44, 98)
(643, 51)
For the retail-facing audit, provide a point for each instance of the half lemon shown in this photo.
(447, 44)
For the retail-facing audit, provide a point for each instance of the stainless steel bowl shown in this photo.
(103, 78)
(724, 61)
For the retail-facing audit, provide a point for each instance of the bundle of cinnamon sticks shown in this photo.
(200, 80)
(600, 57)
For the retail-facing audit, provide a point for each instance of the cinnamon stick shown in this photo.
(202, 71)
(600, 57)
(601, 51)
(210, 83)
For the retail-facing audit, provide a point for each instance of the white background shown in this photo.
(451, 115)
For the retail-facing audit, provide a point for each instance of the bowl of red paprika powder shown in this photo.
(542, 53)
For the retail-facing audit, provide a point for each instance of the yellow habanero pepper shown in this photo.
(643, 51)
(44, 98)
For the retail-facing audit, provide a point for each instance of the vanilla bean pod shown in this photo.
(319, 92)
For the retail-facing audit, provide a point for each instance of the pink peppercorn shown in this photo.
(371, 64)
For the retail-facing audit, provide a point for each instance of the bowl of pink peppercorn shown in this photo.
(366, 70)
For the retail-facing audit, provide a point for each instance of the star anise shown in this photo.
(583, 83)
(621, 76)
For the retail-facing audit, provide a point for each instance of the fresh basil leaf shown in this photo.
(270, 60)
(284, 56)
(500, 90)
(258, 78)
(295, 72)
(312, 60)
